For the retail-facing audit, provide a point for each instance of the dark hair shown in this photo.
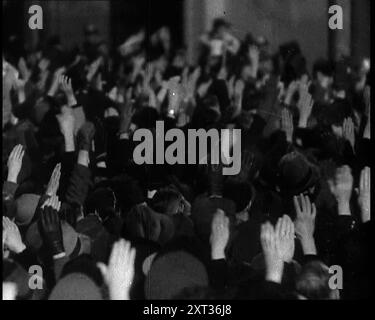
(312, 281)
(194, 293)
(163, 198)
(323, 66)
(239, 192)
(85, 264)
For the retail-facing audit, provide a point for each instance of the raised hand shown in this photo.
(273, 261)
(50, 227)
(126, 113)
(348, 131)
(367, 98)
(287, 124)
(192, 82)
(254, 58)
(15, 163)
(56, 81)
(304, 223)
(93, 68)
(364, 194)
(66, 86)
(54, 181)
(43, 64)
(66, 122)
(12, 239)
(219, 235)
(203, 88)
(238, 89)
(247, 162)
(284, 234)
(10, 291)
(342, 185)
(85, 136)
(254, 53)
(119, 273)
(291, 90)
(305, 104)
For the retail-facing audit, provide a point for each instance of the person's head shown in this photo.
(142, 222)
(102, 202)
(91, 34)
(334, 115)
(26, 205)
(246, 71)
(220, 27)
(175, 274)
(167, 201)
(312, 282)
(241, 193)
(76, 286)
(323, 71)
(296, 175)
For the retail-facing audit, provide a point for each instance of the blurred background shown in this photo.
(278, 21)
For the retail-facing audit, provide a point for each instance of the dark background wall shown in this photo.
(302, 20)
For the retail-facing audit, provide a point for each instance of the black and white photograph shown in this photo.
(184, 155)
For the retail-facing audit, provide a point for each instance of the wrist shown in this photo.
(302, 123)
(308, 245)
(71, 100)
(343, 207)
(217, 254)
(59, 255)
(116, 294)
(12, 177)
(83, 158)
(20, 248)
(274, 273)
(69, 142)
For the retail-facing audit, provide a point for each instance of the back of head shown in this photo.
(26, 205)
(313, 282)
(164, 199)
(173, 273)
(76, 286)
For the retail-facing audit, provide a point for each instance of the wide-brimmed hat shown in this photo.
(296, 174)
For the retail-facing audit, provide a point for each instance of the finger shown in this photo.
(22, 154)
(362, 180)
(114, 254)
(297, 206)
(17, 151)
(284, 226)
(367, 178)
(131, 257)
(303, 204)
(279, 227)
(103, 269)
(308, 204)
(313, 211)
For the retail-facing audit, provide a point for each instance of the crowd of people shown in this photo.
(82, 220)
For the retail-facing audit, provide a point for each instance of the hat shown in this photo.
(26, 205)
(33, 238)
(76, 286)
(220, 22)
(171, 273)
(296, 173)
